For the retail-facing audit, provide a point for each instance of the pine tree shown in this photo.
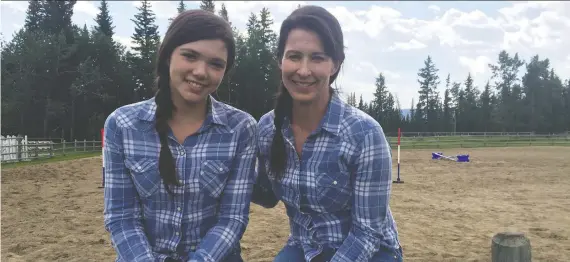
(224, 13)
(104, 20)
(428, 101)
(181, 7)
(35, 15)
(146, 40)
(208, 5)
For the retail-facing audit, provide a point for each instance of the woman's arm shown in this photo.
(121, 208)
(235, 201)
(371, 197)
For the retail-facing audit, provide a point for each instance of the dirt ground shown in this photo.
(445, 211)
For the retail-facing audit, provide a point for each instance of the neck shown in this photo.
(307, 116)
(187, 113)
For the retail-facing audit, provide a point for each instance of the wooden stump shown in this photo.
(510, 247)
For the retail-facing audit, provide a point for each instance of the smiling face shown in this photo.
(305, 67)
(197, 69)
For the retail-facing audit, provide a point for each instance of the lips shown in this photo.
(195, 87)
(304, 83)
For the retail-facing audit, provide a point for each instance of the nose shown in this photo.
(199, 70)
(304, 70)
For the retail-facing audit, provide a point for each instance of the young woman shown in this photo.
(328, 162)
(179, 167)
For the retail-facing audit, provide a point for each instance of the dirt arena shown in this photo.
(445, 211)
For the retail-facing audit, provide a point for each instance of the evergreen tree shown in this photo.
(104, 20)
(146, 40)
(427, 108)
(224, 13)
(208, 5)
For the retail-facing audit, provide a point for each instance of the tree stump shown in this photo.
(510, 247)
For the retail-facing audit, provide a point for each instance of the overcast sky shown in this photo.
(390, 37)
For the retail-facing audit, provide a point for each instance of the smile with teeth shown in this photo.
(195, 85)
(303, 83)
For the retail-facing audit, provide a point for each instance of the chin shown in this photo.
(304, 97)
(193, 98)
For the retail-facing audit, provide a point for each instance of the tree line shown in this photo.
(62, 80)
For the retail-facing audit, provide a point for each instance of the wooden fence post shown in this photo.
(510, 247)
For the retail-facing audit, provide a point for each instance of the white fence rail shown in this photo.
(16, 149)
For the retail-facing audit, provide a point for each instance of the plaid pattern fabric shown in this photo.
(206, 217)
(337, 193)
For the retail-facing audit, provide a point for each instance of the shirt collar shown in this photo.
(331, 121)
(216, 112)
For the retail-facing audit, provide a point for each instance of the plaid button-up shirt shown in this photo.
(337, 193)
(208, 214)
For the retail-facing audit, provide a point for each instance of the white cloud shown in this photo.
(410, 45)
(390, 39)
(476, 65)
(17, 6)
(86, 7)
(162, 9)
(434, 8)
(124, 40)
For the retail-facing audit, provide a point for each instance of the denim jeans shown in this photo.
(296, 254)
(234, 256)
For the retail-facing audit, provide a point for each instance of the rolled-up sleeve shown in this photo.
(122, 213)
(372, 185)
(235, 201)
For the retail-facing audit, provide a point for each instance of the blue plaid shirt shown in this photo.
(337, 194)
(208, 214)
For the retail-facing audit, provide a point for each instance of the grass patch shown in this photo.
(478, 141)
(57, 158)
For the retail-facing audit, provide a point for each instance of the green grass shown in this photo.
(431, 142)
(478, 141)
(69, 156)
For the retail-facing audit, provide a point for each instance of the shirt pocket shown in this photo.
(214, 175)
(145, 175)
(333, 190)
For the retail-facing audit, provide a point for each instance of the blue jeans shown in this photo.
(296, 254)
(233, 256)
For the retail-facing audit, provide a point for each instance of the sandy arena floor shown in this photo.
(445, 211)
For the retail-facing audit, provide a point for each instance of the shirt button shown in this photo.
(221, 169)
(179, 208)
(334, 182)
(177, 233)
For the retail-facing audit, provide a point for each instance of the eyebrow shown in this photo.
(313, 53)
(189, 50)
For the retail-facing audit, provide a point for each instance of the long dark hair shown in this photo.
(189, 26)
(327, 27)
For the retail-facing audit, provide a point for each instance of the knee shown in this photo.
(290, 254)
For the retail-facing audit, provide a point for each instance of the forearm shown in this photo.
(130, 242)
(359, 246)
(220, 240)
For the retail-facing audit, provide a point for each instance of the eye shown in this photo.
(217, 65)
(190, 56)
(318, 58)
(294, 57)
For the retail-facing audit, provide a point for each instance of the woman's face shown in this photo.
(197, 69)
(305, 67)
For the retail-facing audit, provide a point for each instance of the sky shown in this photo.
(390, 37)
